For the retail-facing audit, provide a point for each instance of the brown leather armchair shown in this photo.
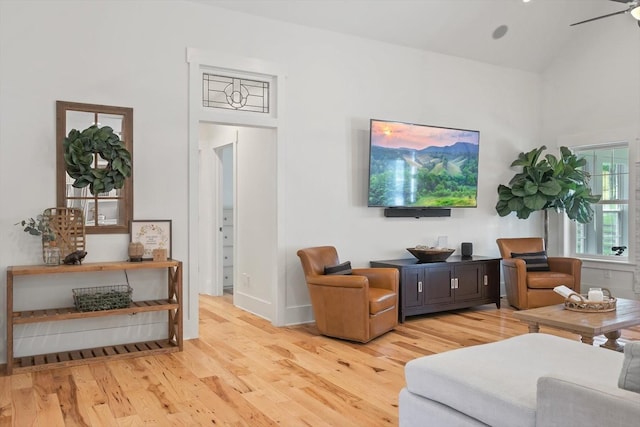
(530, 289)
(357, 307)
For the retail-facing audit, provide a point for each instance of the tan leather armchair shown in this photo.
(356, 307)
(531, 289)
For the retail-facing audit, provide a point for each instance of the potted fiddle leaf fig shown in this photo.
(558, 183)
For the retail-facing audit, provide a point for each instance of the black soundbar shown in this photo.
(416, 212)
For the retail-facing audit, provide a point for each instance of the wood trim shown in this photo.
(127, 132)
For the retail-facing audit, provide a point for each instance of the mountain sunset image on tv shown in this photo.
(422, 166)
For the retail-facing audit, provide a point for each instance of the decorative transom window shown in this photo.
(235, 93)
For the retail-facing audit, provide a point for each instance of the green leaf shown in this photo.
(524, 213)
(516, 204)
(502, 207)
(98, 173)
(518, 189)
(117, 165)
(108, 186)
(528, 159)
(81, 183)
(118, 181)
(550, 188)
(535, 202)
(504, 193)
(530, 188)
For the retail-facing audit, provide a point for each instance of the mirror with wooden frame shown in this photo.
(104, 213)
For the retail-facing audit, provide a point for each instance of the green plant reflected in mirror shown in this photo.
(94, 164)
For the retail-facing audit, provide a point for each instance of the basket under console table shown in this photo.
(172, 304)
(458, 282)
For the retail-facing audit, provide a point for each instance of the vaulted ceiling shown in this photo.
(535, 30)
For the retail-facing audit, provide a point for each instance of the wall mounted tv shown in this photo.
(422, 166)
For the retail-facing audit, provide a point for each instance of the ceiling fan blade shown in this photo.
(622, 1)
(599, 17)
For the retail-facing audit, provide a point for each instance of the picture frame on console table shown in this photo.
(153, 234)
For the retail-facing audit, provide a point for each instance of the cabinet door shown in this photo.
(227, 277)
(227, 217)
(438, 288)
(491, 288)
(227, 256)
(412, 283)
(469, 281)
(227, 235)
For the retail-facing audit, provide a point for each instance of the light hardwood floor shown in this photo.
(244, 372)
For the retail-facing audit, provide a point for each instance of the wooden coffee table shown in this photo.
(587, 325)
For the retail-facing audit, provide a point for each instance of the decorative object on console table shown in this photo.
(68, 226)
(51, 254)
(159, 254)
(446, 285)
(99, 298)
(74, 258)
(427, 254)
(153, 234)
(136, 251)
(40, 227)
(466, 249)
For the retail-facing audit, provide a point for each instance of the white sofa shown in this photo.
(528, 380)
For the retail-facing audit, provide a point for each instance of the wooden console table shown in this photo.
(172, 304)
(447, 285)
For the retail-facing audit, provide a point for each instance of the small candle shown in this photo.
(595, 295)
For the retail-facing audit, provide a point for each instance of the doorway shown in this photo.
(238, 214)
(259, 283)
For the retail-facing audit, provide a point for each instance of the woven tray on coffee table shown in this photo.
(577, 302)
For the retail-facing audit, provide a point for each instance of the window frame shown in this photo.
(621, 221)
(606, 139)
(126, 193)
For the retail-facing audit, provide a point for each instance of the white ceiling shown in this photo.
(464, 28)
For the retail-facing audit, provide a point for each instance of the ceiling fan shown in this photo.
(633, 8)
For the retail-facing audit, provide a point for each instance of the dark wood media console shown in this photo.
(447, 285)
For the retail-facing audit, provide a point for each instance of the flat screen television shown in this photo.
(422, 166)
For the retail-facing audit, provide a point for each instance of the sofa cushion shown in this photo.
(380, 300)
(536, 261)
(496, 383)
(548, 279)
(630, 374)
(565, 402)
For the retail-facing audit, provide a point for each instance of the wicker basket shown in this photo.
(577, 302)
(68, 225)
(102, 297)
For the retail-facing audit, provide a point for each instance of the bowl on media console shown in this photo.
(431, 254)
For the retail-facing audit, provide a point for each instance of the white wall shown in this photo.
(133, 54)
(591, 92)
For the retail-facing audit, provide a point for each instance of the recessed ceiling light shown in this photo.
(499, 32)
